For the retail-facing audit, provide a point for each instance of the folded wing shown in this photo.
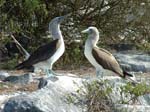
(41, 54)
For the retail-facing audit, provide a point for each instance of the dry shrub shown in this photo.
(98, 99)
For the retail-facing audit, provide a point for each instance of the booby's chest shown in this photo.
(59, 52)
(88, 54)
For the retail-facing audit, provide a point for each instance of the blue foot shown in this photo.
(52, 72)
(51, 75)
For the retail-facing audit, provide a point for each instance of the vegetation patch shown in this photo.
(134, 92)
(97, 95)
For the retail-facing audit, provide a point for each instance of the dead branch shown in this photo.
(21, 49)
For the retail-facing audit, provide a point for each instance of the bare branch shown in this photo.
(21, 49)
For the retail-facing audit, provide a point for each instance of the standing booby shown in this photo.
(45, 56)
(101, 58)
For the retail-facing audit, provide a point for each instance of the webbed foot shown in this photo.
(51, 75)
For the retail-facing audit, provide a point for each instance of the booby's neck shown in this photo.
(91, 41)
(56, 32)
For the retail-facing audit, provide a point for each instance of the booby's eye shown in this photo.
(90, 30)
(58, 19)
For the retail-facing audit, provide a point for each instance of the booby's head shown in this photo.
(91, 31)
(57, 20)
(54, 25)
(93, 34)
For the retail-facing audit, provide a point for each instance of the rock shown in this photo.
(135, 62)
(23, 79)
(126, 67)
(3, 75)
(145, 99)
(138, 68)
(42, 82)
(21, 103)
(122, 46)
(131, 108)
(52, 98)
(4, 98)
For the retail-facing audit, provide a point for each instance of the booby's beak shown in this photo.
(85, 31)
(62, 18)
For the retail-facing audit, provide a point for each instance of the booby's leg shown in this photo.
(52, 72)
(49, 73)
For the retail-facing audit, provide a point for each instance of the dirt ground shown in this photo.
(6, 87)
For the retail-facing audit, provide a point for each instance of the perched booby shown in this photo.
(45, 56)
(101, 58)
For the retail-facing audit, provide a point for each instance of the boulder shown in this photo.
(51, 98)
(22, 79)
(21, 103)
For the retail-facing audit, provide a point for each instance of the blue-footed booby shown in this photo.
(101, 58)
(45, 56)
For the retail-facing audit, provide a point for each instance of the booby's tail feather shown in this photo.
(130, 77)
(127, 74)
(21, 65)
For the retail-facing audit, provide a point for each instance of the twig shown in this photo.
(21, 49)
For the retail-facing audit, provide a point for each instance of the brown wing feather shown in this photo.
(105, 51)
(106, 60)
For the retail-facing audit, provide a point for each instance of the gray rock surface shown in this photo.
(145, 99)
(21, 103)
(136, 62)
(21, 79)
(51, 98)
(3, 75)
(132, 108)
(42, 82)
